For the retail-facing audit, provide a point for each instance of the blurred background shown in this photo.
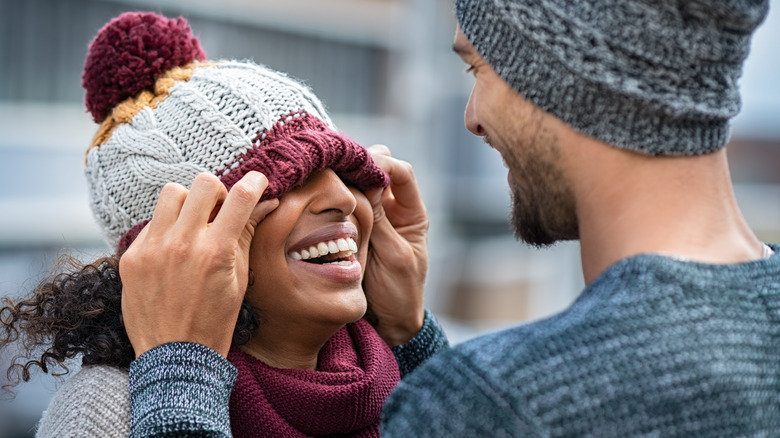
(387, 74)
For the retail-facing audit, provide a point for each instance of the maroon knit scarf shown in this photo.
(343, 397)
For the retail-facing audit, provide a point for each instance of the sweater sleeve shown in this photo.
(180, 389)
(428, 341)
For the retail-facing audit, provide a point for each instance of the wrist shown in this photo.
(400, 332)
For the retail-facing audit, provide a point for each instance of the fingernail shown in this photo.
(255, 177)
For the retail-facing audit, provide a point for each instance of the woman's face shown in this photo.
(308, 256)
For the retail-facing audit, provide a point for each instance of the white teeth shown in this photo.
(343, 245)
(323, 248)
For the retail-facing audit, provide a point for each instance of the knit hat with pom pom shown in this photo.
(167, 115)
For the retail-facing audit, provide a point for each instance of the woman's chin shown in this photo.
(352, 308)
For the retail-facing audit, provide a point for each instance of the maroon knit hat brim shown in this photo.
(301, 145)
(297, 147)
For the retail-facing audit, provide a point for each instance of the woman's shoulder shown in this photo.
(93, 402)
(103, 375)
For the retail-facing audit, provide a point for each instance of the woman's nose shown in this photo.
(330, 193)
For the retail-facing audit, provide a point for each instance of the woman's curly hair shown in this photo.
(77, 311)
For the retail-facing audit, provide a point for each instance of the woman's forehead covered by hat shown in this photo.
(221, 117)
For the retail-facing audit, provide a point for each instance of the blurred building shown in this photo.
(385, 70)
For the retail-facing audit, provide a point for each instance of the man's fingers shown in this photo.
(383, 233)
(169, 204)
(206, 193)
(403, 181)
(263, 209)
(259, 213)
(375, 198)
(239, 205)
(403, 195)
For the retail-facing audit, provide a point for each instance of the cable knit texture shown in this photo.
(156, 412)
(297, 146)
(226, 118)
(92, 403)
(656, 77)
(655, 347)
(355, 373)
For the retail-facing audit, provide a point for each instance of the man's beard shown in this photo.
(543, 214)
(543, 205)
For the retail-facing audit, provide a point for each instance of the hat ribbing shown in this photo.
(226, 118)
(656, 77)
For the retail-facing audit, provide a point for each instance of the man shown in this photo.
(611, 117)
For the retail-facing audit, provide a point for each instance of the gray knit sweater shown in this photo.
(95, 402)
(655, 347)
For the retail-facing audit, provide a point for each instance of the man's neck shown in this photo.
(682, 206)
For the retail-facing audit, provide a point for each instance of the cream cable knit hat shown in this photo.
(167, 117)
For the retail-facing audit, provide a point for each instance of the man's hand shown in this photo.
(398, 257)
(185, 275)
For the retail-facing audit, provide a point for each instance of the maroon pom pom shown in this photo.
(130, 53)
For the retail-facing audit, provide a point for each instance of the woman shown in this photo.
(307, 363)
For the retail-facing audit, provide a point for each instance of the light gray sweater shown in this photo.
(94, 402)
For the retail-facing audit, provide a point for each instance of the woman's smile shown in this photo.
(330, 253)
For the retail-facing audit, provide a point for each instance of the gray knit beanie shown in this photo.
(654, 76)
